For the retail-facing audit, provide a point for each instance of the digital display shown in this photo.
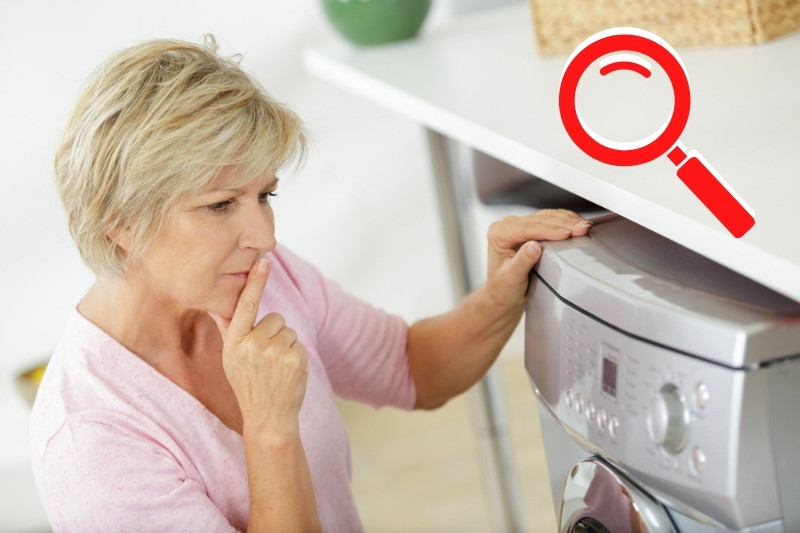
(610, 377)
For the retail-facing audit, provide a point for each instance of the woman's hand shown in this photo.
(514, 250)
(450, 352)
(265, 364)
(268, 369)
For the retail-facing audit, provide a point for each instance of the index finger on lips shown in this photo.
(244, 316)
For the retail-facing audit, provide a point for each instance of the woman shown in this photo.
(194, 387)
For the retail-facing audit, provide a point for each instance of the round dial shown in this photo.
(668, 419)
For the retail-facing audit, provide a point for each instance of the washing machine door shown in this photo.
(597, 499)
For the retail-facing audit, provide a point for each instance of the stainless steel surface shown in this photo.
(598, 494)
(677, 372)
(453, 183)
(650, 287)
(563, 452)
(668, 419)
(780, 383)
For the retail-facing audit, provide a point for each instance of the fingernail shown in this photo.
(533, 248)
(261, 267)
(585, 223)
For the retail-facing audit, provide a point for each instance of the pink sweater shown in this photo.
(116, 446)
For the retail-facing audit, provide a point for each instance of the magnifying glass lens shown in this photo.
(696, 173)
(612, 152)
(623, 108)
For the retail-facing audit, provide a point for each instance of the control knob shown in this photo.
(668, 419)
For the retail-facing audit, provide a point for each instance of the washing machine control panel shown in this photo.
(678, 373)
(662, 414)
(668, 419)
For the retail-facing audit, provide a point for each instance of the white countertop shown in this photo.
(481, 81)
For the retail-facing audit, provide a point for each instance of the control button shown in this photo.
(590, 411)
(568, 397)
(701, 395)
(602, 418)
(579, 403)
(613, 426)
(698, 460)
(668, 419)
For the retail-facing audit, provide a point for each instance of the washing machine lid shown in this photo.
(652, 288)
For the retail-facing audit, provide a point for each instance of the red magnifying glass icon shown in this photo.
(692, 168)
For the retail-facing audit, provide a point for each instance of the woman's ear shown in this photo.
(120, 237)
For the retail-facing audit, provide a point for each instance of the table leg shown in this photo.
(488, 400)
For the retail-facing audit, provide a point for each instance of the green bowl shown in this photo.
(367, 22)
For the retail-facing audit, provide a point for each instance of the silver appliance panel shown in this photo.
(673, 384)
(598, 498)
(650, 287)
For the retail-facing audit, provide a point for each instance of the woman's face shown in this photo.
(209, 243)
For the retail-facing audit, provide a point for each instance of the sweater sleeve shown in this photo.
(101, 474)
(362, 347)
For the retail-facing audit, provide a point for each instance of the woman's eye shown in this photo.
(225, 205)
(264, 197)
(219, 207)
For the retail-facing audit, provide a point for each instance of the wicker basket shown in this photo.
(561, 25)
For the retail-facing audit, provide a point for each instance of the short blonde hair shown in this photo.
(157, 121)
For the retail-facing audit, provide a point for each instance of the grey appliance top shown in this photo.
(652, 288)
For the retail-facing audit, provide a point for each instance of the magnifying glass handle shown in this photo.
(713, 191)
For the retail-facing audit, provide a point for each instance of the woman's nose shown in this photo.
(258, 228)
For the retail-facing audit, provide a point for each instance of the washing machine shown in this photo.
(668, 388)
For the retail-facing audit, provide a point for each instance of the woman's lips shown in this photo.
(240, 275)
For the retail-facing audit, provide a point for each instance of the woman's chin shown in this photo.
(227, 309)
(224, 306)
